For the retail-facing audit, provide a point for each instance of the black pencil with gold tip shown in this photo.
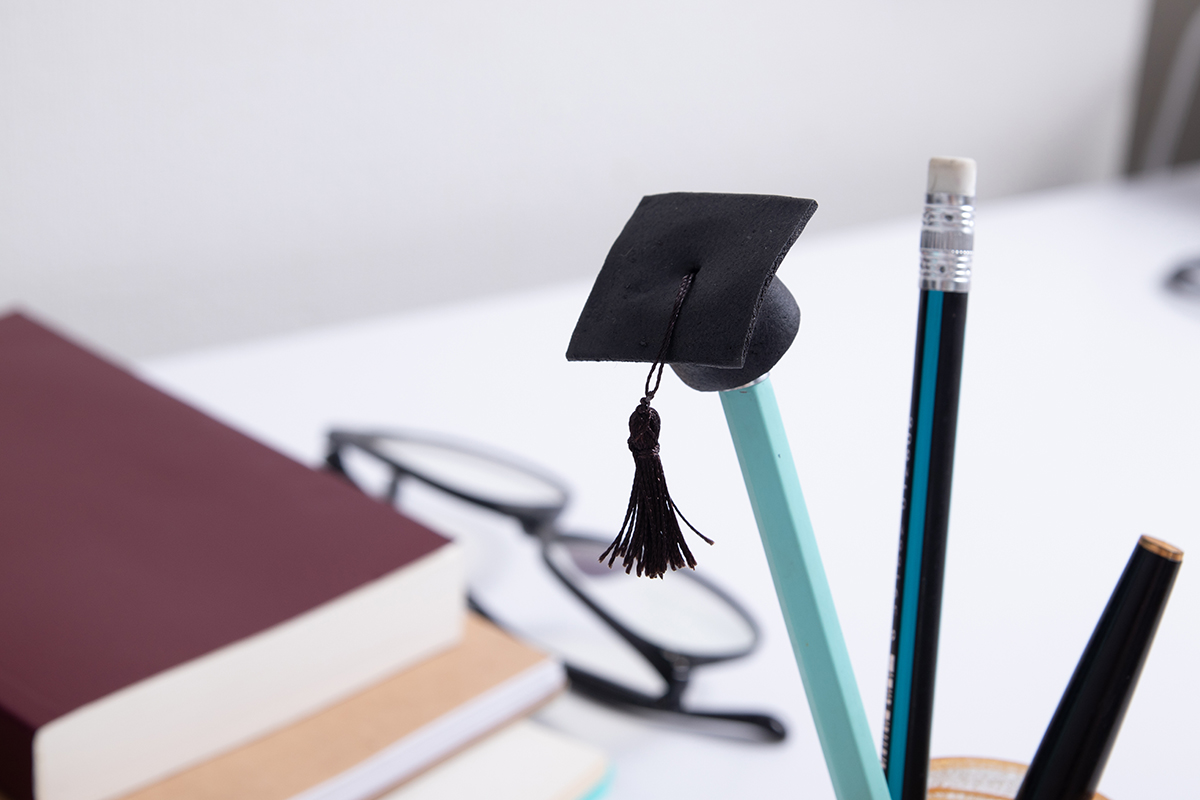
(1075, 748)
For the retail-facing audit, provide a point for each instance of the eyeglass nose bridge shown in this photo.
(677, 671)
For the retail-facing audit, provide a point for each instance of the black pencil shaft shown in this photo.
(925, 516)
(1075, 748)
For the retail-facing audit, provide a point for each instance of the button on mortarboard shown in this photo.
(733, 243)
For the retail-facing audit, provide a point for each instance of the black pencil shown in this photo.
(1075, 748)
(947, 244)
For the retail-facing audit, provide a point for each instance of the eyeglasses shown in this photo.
(607, 626)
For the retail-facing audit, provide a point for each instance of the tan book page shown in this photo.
(316, 749)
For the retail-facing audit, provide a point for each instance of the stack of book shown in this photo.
(186, 613)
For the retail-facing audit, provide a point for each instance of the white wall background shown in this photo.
(185, 173)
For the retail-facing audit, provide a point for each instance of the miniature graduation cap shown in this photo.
(690, 283)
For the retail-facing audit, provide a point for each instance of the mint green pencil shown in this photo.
(812, 623)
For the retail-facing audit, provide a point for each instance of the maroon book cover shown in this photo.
(137, 533)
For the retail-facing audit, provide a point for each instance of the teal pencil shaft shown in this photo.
(800, 583)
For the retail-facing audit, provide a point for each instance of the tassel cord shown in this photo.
(650, 537)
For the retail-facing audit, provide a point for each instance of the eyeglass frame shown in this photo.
(541, 522)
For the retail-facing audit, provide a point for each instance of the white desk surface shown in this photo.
(1079, 430)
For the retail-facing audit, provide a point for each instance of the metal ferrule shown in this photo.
(759, 380)
(947, 242)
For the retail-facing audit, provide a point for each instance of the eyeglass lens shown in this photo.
(676, 612)
(474, 474)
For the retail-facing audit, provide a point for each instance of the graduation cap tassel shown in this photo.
(650, 536)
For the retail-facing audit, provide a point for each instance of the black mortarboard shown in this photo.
(690, 283)
(736, 318)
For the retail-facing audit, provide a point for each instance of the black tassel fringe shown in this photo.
(650, 536)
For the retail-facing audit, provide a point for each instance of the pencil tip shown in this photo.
(1161, 548)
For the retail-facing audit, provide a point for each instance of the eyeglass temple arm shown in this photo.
(768, 728)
